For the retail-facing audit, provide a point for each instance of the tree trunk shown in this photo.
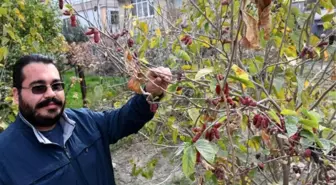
(82, 84)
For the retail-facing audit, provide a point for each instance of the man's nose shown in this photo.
(49, 93)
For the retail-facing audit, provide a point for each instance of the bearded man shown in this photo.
(50, 145)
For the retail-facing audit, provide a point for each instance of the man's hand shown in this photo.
(159, 79)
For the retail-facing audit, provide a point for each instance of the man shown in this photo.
(50, 145)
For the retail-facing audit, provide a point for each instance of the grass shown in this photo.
(98, 88)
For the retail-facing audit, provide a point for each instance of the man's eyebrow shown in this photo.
(43, 82)
(37, 82)
(56, 80)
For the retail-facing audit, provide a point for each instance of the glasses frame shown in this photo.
(42, 91)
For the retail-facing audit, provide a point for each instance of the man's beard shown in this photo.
(37, 120)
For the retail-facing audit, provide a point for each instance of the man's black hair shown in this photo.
(18, 76)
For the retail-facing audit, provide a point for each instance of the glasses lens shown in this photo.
(57, 86)
(39, 89)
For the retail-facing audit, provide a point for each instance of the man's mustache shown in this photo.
(47, 101)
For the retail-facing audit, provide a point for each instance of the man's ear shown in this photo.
(15, 92)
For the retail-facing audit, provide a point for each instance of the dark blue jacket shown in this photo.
(85, 159)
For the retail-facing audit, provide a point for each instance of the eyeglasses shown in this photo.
(41, 89)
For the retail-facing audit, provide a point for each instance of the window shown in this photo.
(114, 17)
(142, 8)
(79, 1)
(178, 3)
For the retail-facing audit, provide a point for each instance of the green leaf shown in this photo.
(328, 17)
(3, 11)
(327, 25)
(273, 115)
(248, 83)
(155, 41)
(174, 135)
(291, 127)
(10, 32)
(308, 135)
(194, 47)
(3, 53)
(326, 145)
(188, 160)
(254, 142)
(309, 123)
(311, 115)
(203, 72)
(222, 119)
(332, 95)
(183, 55)
(278, 83)
(143, 48)
(242, 148)
(306, 142)
(206, 27)
(288, 112)
(193, 113)
(98, 91)
(171, 120)
(172, 88)
(68, 6)
(143, 60)
(206, 149)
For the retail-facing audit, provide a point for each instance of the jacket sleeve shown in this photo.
(129, 119)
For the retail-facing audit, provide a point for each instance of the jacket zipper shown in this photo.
(67, 152)
(75, 165)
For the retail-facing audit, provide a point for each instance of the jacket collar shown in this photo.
(67, 124)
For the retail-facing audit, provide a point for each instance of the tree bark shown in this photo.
(82, 84)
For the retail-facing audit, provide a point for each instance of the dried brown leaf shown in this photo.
(266, 138)
(251, 33)
(134, 84)
(132, 65)
(262, 4)
(333, 75)
(265, 20)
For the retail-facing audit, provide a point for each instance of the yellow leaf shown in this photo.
(291, 51)
(19, 15)
(205, 40)
(21, 4)
(240, 73)
(158, 32)
(179, 92)
(143, 27)
(129, 6)
(186, 67)
(326, 55)
(159, 10)
(117, 104)
(306, 84)
(314, 40)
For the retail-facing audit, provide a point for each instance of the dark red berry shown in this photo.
(307, 152)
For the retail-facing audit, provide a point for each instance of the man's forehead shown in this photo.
(40, 71)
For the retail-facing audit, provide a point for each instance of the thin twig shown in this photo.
(322, 96)
(281, 44)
